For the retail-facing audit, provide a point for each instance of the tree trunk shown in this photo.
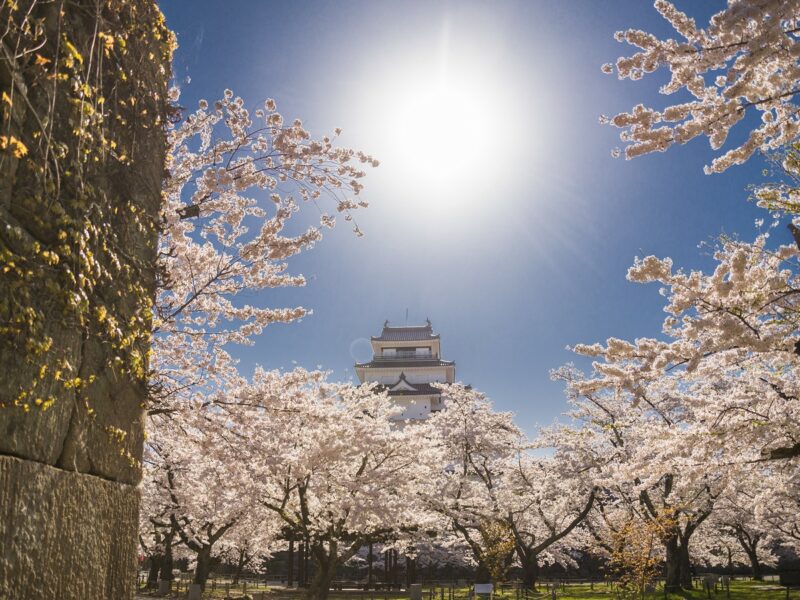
(166, 561)
(290, 565)
(301, 564)
(370, 558)
(482, 574)
(203, 567)
(411, 572)
(155, 567)
(672, 575)
(685, 565)
(749, 544)
(755, 564)
(325, 564)
(309, 563)
(678, 566)
(530, 571)
(239, 568)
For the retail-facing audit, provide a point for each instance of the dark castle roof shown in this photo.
(420, 389)
(411, 333)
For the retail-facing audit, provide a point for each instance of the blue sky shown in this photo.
(527, 251)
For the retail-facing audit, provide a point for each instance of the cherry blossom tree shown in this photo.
(198, 484)
(544, 500)
(475, 442)
(635, 431)
(676, 422)
(328, 463)
(744, 61)
(777, 505)
(726, 368)
(156, 533)
(733, 535)
(222, 165)
(734, 346)
(156, 540)
(436, 548)
(254, 538)
(501, 501)
(235, 180)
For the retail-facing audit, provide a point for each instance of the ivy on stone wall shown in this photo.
(77, 113)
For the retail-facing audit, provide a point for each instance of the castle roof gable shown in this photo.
(408, 333)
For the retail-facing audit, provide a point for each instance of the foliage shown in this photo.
(635, 560)
(77, 110)
(498, 548)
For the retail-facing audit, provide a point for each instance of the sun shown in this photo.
(444, 121)
(443, 132)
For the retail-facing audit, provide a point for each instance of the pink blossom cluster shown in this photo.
(746, 59)
(234, 182)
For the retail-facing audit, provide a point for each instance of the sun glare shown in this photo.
(442, 132)
(444, 121)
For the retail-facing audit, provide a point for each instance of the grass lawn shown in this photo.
(740, 590)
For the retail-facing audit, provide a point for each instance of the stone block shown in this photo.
(195, 591)
(65, 535)
(164, 587)
(415, 591)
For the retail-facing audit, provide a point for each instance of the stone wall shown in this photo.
(74, 542)
(82, 156)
